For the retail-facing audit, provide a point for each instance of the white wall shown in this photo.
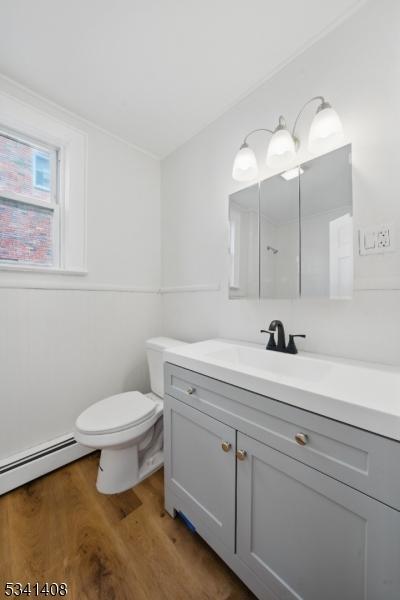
(81, 338)
(356, 67)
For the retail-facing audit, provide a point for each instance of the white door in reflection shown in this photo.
(341, 257)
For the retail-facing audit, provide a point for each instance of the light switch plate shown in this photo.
(377, 240)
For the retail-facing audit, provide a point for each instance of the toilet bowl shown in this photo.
(128, 428)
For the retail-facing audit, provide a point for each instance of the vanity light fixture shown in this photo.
(282, 147)
(245, 165)
(326, 131)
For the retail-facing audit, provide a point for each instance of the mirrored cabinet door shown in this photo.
(326, 216)
(279, 237)
(244, 243)
(292, 235)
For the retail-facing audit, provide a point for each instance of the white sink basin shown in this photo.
(273, 363)
(362, 394)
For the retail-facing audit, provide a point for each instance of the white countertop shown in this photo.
(365, 395)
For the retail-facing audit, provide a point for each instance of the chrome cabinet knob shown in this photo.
(241, 454)
(301, 439)
(226, 446)
(190, 390)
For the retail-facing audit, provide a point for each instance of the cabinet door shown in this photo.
(200, 466)
(310, 537)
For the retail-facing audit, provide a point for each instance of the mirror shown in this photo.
(243, 246)
(279, 237)
(292, 235)
(326, 216)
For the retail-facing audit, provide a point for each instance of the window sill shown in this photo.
(42, 270)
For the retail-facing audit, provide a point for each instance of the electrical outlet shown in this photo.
(377, 240)
(383, 238)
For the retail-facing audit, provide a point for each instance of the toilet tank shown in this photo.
(155, 357)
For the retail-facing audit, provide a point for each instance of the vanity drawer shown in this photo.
(363, 460)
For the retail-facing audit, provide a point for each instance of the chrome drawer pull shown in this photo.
(190, 390)
(241, 454)
(301, 439)
(226, 446)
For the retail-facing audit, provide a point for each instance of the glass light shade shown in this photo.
(281, 149)
(245, 165)
(326, 131)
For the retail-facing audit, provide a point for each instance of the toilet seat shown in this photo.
(116, 413)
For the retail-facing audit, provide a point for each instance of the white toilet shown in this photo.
(128, 428)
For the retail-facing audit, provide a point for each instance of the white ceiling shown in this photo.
(155, 72)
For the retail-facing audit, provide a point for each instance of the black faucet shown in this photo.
(272, 345)
(281, 345)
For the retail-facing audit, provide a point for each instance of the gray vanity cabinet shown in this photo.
(308, 536)
(200, 467)
(282, 516)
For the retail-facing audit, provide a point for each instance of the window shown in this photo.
(42, 192)
(29, 202)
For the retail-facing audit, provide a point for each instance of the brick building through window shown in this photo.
(28, 202)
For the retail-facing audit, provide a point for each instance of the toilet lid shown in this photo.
(116, 413)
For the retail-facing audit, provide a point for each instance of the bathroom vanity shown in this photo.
(296, 489)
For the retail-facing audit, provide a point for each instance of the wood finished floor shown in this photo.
(122, 547)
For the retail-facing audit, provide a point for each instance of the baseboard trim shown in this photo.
(38, 461)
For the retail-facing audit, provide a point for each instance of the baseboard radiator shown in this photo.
(35, 462)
